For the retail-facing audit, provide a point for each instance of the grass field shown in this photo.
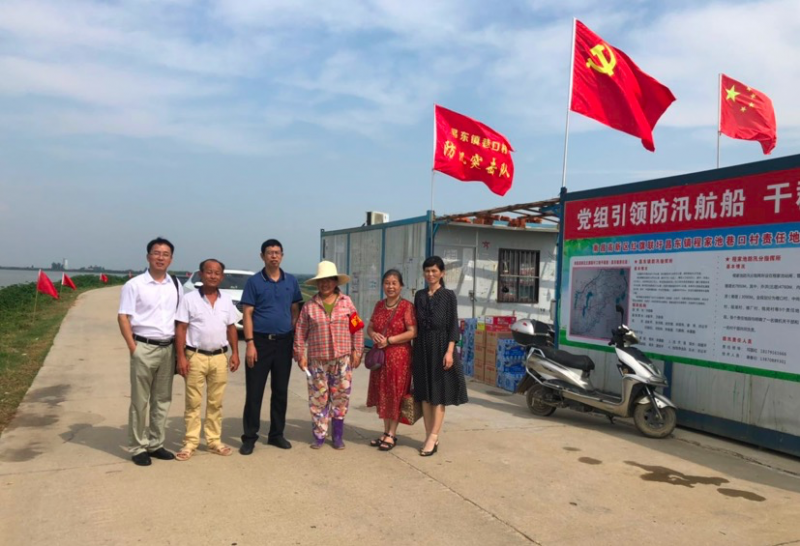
(25, 342)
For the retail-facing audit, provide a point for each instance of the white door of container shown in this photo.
(459, 263)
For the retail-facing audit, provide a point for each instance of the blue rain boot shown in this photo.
(317, 443)
(338, 433)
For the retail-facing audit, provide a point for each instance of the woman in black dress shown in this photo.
(438, 376)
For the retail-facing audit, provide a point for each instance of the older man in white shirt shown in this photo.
(147, 323)
(204, 331)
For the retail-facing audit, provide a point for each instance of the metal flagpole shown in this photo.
(430, 216)
(35, 301)
(719, 111)
(560, 241)
(433, 174)
(569, 103)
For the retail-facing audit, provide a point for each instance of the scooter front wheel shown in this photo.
(534, 399)
(650, 425)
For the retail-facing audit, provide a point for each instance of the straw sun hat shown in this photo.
(326, 270)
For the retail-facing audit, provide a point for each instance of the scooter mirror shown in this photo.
(621, 312)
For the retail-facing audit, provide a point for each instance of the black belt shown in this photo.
(156, 342)
(208, 353)
(272, 337)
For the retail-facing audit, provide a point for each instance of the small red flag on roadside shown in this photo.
(66, 281)
(103, 277)
(45, 285)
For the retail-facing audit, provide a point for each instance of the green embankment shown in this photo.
(25, 342)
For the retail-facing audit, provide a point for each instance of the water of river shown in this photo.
(19, 276)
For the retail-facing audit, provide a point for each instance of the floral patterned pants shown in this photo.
(328, 392)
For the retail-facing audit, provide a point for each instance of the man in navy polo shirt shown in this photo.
(271, 305)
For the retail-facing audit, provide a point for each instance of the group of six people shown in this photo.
(170, 332)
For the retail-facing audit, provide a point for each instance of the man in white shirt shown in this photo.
(147, 322)
(205, 328)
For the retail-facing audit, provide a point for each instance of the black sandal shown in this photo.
(378, 441)
(386, 446)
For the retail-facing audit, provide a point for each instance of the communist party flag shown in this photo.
(103, 278)
(470, 151)
(747, 114)
(45, 285)
(607, 86)
(66, 281)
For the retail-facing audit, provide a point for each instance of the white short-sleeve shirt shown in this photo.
(151, 305)
(208, 325)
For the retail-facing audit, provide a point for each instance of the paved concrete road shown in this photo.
(501, 476)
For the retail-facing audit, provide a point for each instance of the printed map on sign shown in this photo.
(596, 291)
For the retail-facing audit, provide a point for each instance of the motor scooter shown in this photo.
(559, 379)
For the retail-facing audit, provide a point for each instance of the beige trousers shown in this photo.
(208, 373)
(152, 369)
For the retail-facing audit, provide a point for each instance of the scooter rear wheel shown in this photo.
(534, 399)
(648, 423)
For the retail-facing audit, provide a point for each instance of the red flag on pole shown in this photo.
(66, 281)
(103, 278)
(609, 87)
(747, 114)
(470, 151)
(45, 285)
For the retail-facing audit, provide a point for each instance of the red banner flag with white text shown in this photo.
(66, 281)
(45, 285)
(608, 87)
(470, 151)
(747, 114)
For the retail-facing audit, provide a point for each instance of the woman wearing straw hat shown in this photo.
(327, 345)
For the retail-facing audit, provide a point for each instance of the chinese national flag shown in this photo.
(609, 87)
(103, 278)
(747, 114)
(470, 151)
(45, 285)
(66, 281)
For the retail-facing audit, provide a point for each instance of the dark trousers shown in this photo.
(273, 356)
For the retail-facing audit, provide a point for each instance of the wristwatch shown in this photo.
(248, 339)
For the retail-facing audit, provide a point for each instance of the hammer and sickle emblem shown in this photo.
(606, 66)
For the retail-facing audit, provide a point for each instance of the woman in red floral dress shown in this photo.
(390, 382)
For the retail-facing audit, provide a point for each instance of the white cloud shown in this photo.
(96, 84)
(148, 68)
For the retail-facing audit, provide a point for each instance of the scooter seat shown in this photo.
(578, 362)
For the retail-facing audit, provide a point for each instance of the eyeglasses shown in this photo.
(161, 254)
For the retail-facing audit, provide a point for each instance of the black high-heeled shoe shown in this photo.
(431, 452)
(423, 453)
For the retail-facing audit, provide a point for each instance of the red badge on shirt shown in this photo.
(356, 323)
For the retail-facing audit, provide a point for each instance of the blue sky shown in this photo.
(220, 123)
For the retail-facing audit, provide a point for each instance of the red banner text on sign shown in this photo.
(770, 198)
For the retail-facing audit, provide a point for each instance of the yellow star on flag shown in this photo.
(732, 92)
(746, 113)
